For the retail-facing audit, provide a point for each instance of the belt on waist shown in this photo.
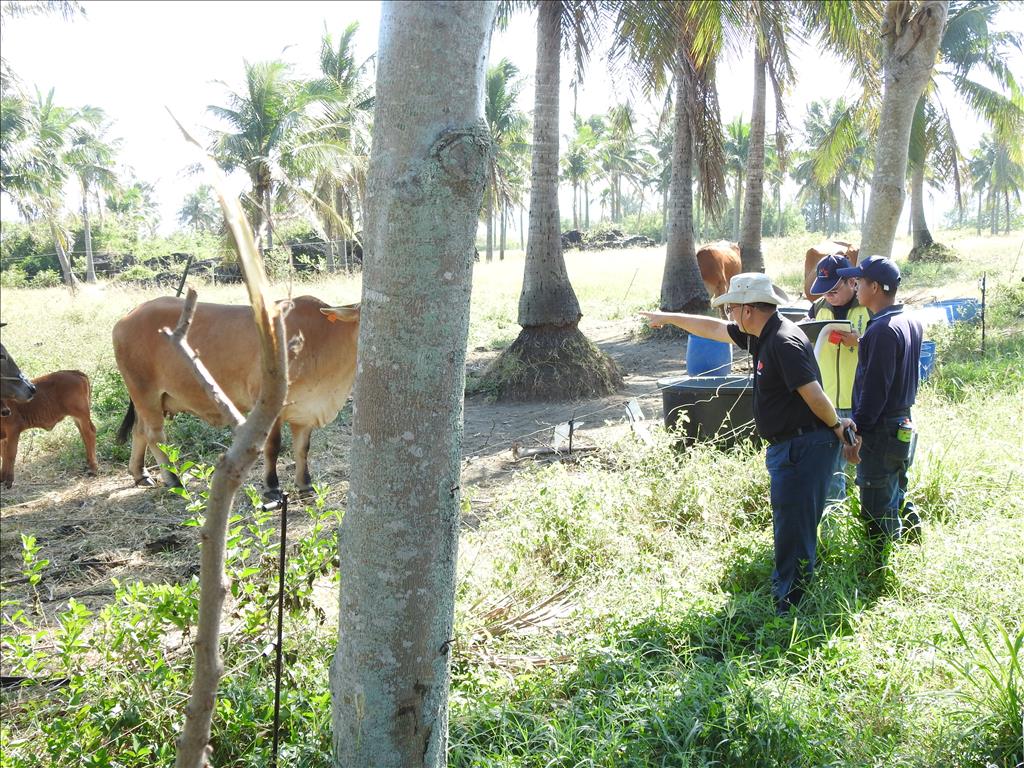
(784, 436)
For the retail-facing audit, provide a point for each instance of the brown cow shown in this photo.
(820, 251)
(321, 369)
(718, 263)
(57, 395)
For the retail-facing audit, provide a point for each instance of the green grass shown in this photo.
(650, 637)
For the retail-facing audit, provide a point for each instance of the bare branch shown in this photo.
(179, 341)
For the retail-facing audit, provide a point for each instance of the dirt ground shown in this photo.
(94, 528)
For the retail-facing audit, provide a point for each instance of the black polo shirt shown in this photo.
(783, 361)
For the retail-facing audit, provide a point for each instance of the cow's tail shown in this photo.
(126, 424)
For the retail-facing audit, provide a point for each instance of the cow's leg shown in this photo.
(9, 449)
(88, 432)
(301, 434)
(271, 450)
(137, 462)
(149, 433)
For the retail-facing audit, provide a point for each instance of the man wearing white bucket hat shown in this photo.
(885, 387)
(792, 414)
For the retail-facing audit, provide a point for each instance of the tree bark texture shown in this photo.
(62, 256)
(922, 237)
(90, 264)
(911, 41)
(398, 541)
(547, 297)
(750, 230)
(682, 289)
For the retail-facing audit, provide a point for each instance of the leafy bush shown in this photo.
(13, 277)
(46, 278)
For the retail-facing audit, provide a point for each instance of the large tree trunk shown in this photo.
(911, 43)
(750, 231)
(90, 265)
(1006, 197)
(550, 359)
(62, 256)
(922, 237)
(682, 289)
(399, 538)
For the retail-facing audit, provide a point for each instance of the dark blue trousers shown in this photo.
(882, 477)
(800, 471)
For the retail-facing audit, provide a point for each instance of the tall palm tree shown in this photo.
(200, 211)
(337, 141)
(507, 124)
(969, 47)
(34, 141)
(263, 118)
(551, 358)
(911, 36)
(737, 155)
(90, 157)
(660, 41)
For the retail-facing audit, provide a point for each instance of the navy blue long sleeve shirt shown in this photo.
(887, 367)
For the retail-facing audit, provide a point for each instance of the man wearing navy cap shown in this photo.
(884, 390)
(837, 359)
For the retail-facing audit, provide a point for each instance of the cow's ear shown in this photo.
(346, 314)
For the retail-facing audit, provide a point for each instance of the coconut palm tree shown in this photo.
(551, 358)
(911, 35)
(737, 155)
(335, 145)
(200, 211)
(661, 42)
(90, 157)
(507, 124)
(969, 47)
(34, 141)
(264, 118)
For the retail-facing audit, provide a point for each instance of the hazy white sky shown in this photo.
(138, 59)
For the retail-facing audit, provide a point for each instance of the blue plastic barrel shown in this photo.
(705, 357)
(927, 359)
(958, 310)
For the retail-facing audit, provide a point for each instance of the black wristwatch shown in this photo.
(836, 425)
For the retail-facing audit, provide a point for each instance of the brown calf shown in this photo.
(57, 395)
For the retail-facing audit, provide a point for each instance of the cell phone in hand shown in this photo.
(849, 436)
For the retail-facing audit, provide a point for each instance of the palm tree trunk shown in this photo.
(550, 359)
(1006, 197)
(575, 205)
(922, 237)
(778, 204)
(266, 213)
(503, 213)
(977, 223)
(682, 289)
(750, 232)
(993, 211)
(664, 214)
(65, 262)
(547, 298)
(911, 43)
(736, 208)
(390, 675)
(90, 265)
(489, 218)
(586, 209)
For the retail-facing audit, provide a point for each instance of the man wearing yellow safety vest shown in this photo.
(837, 359)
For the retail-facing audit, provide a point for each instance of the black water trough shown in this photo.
(718, 409)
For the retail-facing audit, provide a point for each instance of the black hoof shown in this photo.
(146, 482)
(271, 495)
